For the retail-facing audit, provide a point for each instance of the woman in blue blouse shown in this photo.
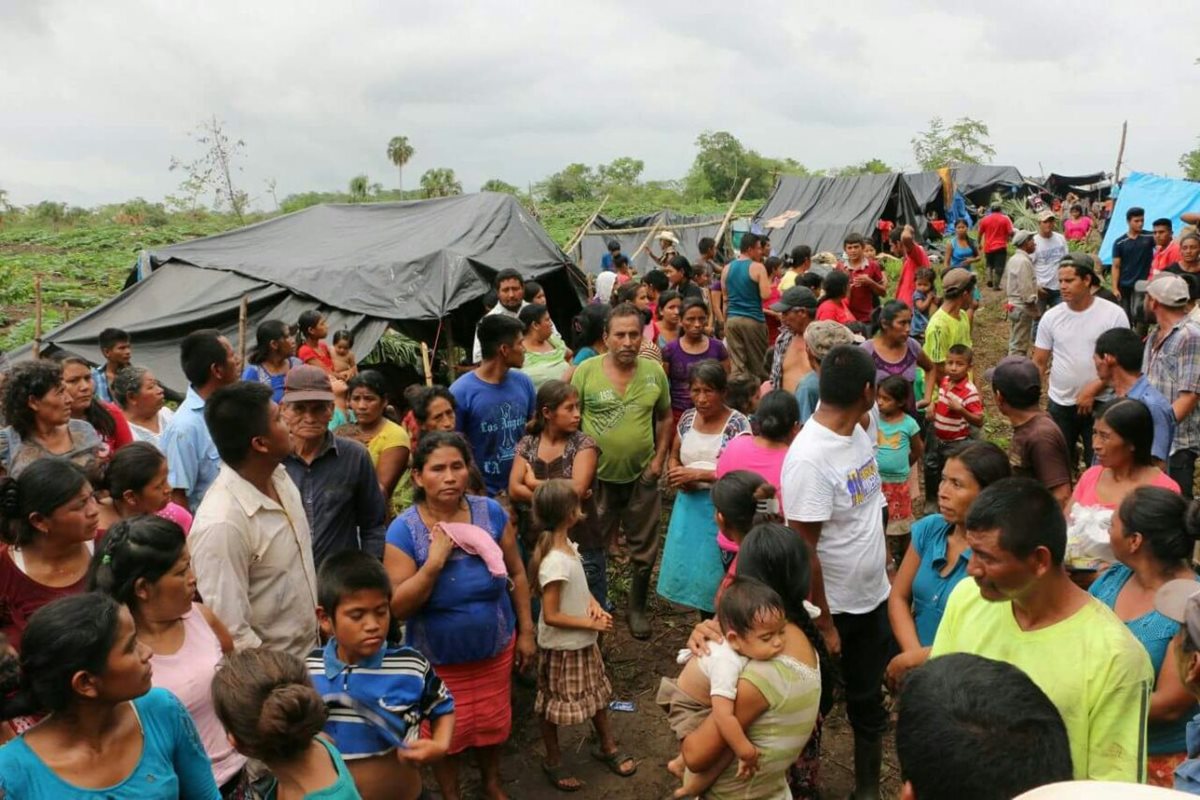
(467, 612)
(1152, 536)
(106, 731)
(937, 556)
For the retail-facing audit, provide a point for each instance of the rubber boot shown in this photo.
(639, 585)
(868, 761)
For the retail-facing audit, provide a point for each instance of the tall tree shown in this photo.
(574, 182)
(874, 166)
(964, 142)
(440, 182)
(359, 185)
(1189, 162)
(623, 171)
(214, 168)
(400, 152)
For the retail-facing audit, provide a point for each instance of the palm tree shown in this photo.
(440, 182)
(359, 185)
(400, 152)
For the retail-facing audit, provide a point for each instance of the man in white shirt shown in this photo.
(250, 542)
(1066, 342)
(834, 499)
(510, 299)
(1051, 248)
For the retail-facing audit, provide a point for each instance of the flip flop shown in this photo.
(558, 774)
(614, 761)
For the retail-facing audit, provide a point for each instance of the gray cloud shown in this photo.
(98, 97)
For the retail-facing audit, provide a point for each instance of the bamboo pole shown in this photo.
(37, 315)
(578, 237)
(427, 364)
(729, 214)
(243, 313)
(679, 227)
(1120, 153)
(646, 241)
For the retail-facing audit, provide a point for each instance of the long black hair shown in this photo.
(271, 330)
(96, 414)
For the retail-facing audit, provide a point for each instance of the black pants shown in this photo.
(1181, 466)
(1075, 427)
(995, 261)
(865, 642)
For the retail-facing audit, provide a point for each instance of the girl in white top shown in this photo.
(572, 684)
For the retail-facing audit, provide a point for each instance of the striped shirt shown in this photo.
(948, 424)
(379, 703)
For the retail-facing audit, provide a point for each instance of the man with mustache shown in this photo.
(1023, 609)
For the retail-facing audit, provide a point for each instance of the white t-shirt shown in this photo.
(722, 666)
(1050, 251)
(834, 479)
(1071, 336)
(573, 600)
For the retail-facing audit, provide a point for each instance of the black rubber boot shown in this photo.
(868, 761)
(639, 585)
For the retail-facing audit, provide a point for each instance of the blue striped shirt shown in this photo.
(379, 703)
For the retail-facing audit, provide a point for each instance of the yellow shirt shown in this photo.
(788, 280)
(389, 436)
(1089, 665)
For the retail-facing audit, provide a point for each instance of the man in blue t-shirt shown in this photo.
(1132, 254)
(495, 400)
(607, 260)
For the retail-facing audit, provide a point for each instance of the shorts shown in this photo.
(899, 501)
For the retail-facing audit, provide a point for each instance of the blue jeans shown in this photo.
(595, 567)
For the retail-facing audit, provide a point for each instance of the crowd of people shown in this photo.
(297, 583)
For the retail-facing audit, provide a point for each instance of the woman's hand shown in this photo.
(440, 545)
(704, 632)
(899, 666)
(526, 650)
(680, 477)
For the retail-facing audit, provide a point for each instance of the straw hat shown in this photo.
(667, 236)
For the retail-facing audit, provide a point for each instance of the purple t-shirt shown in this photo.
(906, 367)
(678, 363)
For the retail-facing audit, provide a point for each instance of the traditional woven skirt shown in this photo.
(572, 685)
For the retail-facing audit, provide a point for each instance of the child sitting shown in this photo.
(924, 302)
(272, 713)
(344, 365)
(378, 694)
(752, 619)
(958, 404)
(899, 447)
(571, 683)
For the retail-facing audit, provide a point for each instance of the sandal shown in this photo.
(559, 776)
(614, 760)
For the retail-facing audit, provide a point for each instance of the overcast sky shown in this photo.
(95, 98)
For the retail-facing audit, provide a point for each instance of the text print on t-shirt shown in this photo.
(608, 408)
(509, 421)
(862, 482)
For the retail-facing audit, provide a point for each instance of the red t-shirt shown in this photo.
(861, 300)
(21, 595)
(1164, 258)
(123, 434)
(915, 260)
(835, 310)
(950, 425)
(995, 229)
(321, 355)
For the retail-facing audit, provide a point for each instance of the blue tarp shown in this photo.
(1161, 197)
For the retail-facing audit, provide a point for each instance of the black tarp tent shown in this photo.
(976, 182)
(422, 266)
(1092, 183)
(632, 231)
(819, 212)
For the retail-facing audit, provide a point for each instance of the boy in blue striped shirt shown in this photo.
(378, 695)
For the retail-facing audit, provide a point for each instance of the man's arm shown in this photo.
(1041, 357)
(663, 433)
(1116, 274)
(183, 466)
(371, 506)
(811, 533)
(221, 561)
(759, 273)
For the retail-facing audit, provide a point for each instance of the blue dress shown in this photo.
(1155, 632)
(931, 589)
(691, 567)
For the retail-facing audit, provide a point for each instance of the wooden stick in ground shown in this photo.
(425, 362)
(1120, 153)
(243, 312)
(649, 238)
(37, 315)
(729, 213)
(578, 237)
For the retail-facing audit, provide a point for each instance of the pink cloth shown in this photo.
(743, 453)
(478, 542)
(1085, 490)
(177, 514)
(1077, 229)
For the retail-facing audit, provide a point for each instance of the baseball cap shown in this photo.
(1169, 289)
(795, 297)
(1179, 600)
(958, 279)
(306, 382)
(824, 335)
(1045, 215)
(1021, 237)
(1016, 376)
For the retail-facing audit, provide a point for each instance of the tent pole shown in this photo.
(676, 227)
(578, 237)
(1120, 153)
(243, 312)
(729, 214)
(427, 363)
(37, 315)
(646, 241)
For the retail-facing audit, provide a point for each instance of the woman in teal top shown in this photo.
(267, 703)
(1152, 536)
(121, 740)
(937, 557)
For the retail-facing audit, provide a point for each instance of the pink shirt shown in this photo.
(1085, 490)
(1077, 229)
(188, 673)
(743, 452)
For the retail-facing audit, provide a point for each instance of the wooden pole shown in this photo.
(643, 229)
(729, 213)
(427, 364)
(1120, 153)
(37, 315)
(578, 237)
(646, 241)
(243, 313)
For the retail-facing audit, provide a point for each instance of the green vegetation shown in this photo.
(963, 142)
(1189, 162)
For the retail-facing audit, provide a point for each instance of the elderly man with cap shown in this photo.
(1066, 341)
(797, 308)
(1172, 364)
(1037, 448)
(1179, 601)
(1021, 289)
(1049, 251)
(337, 482)
(819, 338)
(995, 229)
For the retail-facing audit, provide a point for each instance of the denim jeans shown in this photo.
(595, 567)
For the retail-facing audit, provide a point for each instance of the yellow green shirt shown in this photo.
(1089, 665)
(622, 425)
(389, 436)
